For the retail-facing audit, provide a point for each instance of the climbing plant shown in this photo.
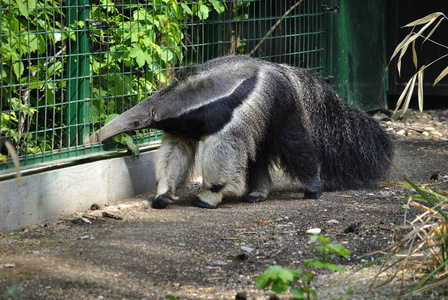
(132, 54)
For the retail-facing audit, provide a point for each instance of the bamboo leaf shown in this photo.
(402, 96)
(420, 88)
(428, 18)
(399, 46)
(414, 55)
(416, 35)
(408, 98)
(406, 94)
(403, 51)
(432, 31)
(419, 33)
(441, 75)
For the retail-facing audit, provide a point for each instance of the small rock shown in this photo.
(85, 220)
(247, 249)
(314, 231)
(94, 206)
(429, 128)
(332, 221)
(385, 194)
(146, 203)
(10, 265)
(219, 263)
(401, 132)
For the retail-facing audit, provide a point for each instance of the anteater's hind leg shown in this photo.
(223, 161)
(298, 157)
(259, 181)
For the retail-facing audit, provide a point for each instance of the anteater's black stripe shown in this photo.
(210, 118)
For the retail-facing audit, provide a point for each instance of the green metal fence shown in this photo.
(67, 67)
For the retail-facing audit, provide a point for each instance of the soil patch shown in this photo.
(130, 251)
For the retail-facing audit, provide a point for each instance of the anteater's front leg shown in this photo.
(174, 160)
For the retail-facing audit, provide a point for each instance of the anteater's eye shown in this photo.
(153, 112)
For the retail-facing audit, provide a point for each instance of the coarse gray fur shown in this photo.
(249, 114)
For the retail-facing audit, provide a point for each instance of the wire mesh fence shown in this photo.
(67, 67)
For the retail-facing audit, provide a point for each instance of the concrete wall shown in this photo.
(49, 195)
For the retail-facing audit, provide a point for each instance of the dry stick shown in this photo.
(275, 26)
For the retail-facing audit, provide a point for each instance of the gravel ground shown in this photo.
(130, 251)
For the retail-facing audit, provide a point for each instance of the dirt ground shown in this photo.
(136, 252)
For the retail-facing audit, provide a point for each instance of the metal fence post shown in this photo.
(78, 87)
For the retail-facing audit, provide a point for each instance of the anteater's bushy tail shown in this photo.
(352, 146)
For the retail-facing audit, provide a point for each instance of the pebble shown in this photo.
(247, 249)
(428, 125)
(314, 231)
(332, 221)
(85, 220)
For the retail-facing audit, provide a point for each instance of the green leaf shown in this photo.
(340, 250)
(218, 6)
(137, 53)
(334, 267)
(31, 40)
(18, 68)
(280, 286)
(298, 293)
(262, 281)
(203, 12)
(167, 55)
(21, 4)
(110, 117)
(314, 263)
(162, 20)
(140, 15)
(186, 8)
(141, 59)
(297, 273)
(319, 238)
(129, 142)
(278, 276)
(49, 95)
(32, 82)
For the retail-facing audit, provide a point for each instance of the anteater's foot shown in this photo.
(199, 203)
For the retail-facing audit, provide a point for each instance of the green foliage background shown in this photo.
(126, 63)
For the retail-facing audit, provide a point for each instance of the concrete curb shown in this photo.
(46, 196)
